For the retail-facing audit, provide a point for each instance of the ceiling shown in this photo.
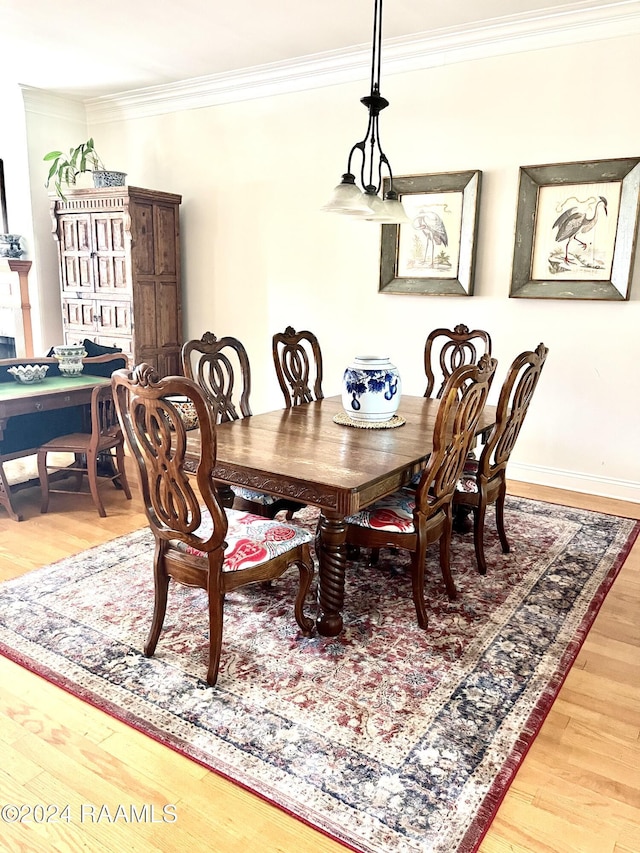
(83, 51)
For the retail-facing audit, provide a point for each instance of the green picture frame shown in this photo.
(562, 212)
(444, 211)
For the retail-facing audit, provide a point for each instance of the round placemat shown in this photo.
(345, 420)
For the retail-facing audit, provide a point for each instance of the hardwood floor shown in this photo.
(578, 790)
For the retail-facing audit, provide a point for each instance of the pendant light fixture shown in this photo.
(347, 197)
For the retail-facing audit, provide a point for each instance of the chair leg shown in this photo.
(92, 474)
(216, 615)
(43, 476)
(478, 535)
(79, 463)
(445, 556)
(305, 566)
(418, 561)
(122, 474)
(500, 518)
(161, 587)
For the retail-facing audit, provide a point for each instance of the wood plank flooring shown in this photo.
(578, 790)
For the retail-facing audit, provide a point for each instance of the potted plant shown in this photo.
(84, 158)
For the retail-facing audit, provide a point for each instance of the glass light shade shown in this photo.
(387, 212)
(348, 199)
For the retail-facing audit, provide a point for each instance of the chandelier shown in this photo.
(347, 197)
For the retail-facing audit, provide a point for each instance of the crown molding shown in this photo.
(514, 34)
(46, 103)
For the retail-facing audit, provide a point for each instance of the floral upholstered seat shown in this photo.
(251, 539)
(468, 481)
(393, 513)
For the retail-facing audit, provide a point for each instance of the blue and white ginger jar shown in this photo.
(371, 389)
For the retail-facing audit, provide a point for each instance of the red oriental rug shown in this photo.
(388, 738)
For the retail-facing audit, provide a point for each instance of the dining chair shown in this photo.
(483, 481)
(298, 361)
(220, 366)
(197, 542)
(448, 349)
(104, 439)
(413, 519)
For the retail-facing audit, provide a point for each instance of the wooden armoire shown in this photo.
(119, 253)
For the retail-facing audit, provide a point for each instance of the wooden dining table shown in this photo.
(303, 454)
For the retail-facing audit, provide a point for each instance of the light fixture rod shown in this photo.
(347, 198)
(377, 46)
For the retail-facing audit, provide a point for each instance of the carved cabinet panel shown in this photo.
(119, 252)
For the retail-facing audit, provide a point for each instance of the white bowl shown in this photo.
(28, 373)
(70, 351)
(70, 367)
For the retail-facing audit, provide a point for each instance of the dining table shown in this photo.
(302, 453)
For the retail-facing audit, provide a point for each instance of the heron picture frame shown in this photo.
(576, 230)
(435, 253)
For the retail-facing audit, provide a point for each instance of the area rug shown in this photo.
(387, 738)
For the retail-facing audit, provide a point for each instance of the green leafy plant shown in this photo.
(65, 167)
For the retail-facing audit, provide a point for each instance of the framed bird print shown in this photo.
(434, 253)
(576, 230)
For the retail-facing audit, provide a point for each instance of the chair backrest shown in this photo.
(157, 439)
(463, 399)
(513, 405)
(104, 418)
(450, 349)
(298, 362)
(221, 369)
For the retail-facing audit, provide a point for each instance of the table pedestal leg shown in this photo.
(225, 493)
(332, 557)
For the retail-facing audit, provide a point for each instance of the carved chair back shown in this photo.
(157, 439)
(298, 362)
(512, 408)
(463, 399)
(484, 482)
(221, 368)
(450, 349)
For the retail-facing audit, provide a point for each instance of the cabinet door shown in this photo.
(109, 253)
(112, 318)
(78, 316)
(76, 261)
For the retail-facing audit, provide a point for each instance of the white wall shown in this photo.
(259, 255)
(14, 154)
(33, 124)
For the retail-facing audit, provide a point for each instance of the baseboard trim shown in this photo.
(574, 481)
